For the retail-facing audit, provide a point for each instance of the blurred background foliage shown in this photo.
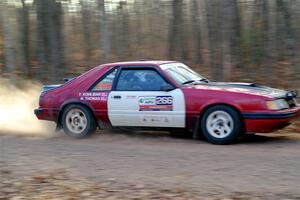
(230, 40)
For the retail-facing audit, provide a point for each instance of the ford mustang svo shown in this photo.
(164, 95)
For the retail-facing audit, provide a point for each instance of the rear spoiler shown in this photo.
(67, 79)
(47, 88)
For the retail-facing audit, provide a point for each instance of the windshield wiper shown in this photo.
(194, 81)
(204, 80)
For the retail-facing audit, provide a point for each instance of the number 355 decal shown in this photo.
(164, 100)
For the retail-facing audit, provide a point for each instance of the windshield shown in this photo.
(181, 73)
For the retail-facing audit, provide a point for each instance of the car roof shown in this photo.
(142, 62)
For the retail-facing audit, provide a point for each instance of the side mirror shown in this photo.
(167, 88)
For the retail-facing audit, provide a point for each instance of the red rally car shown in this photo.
(164, 95)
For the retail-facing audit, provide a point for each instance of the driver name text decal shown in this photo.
(93, 96)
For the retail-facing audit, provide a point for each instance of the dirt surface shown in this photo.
(124, 165)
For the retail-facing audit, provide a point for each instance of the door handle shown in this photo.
(117, 97)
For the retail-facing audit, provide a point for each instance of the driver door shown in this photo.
(138, 100)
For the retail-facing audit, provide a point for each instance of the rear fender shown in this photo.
(69, 102)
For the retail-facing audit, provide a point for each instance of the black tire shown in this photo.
(84, 113)
(213, 134)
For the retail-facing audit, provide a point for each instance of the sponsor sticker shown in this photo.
(131, 97)
(156, 103)
(154, 119)
(147, 101)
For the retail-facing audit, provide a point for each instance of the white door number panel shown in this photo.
(151, 109)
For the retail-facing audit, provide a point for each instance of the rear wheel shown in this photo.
(78, 121)
(221, 125)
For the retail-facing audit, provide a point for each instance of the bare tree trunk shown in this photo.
(114, 36)
(223, 33)
(214, 38)
(197, 31)
(123, 31)
(139, 10)
(296, 29)
(291, 41)
(176, 48)
(41, 45)
(55, 38)
(266, 36)
(226, 60)
(104, 32)
(86, 23)
(1, 46)
(49, 49)
(235, 36)
(9, 47)
(228, 20)
(24, 39)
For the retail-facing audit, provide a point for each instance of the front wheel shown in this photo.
(78, 121)
(221, 125)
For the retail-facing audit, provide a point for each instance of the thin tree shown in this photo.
(24, 27)
(104, 32)
(214, 38)
(176, 43)
(9, 46)
(197, 30)
(86, 30)
(291, 40)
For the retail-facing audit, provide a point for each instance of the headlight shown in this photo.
(277, 104)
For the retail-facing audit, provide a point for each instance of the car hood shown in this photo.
(247, 88)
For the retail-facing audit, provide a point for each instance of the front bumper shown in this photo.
(270, 121)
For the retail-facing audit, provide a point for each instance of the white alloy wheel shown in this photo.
(219, 124)
(76, 121)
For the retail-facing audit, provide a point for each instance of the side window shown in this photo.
(106, 83)
(140, 80)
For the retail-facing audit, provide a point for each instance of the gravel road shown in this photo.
(258, 167)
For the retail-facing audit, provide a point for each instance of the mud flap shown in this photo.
(196, 134)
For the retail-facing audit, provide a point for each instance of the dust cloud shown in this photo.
(16, 110)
